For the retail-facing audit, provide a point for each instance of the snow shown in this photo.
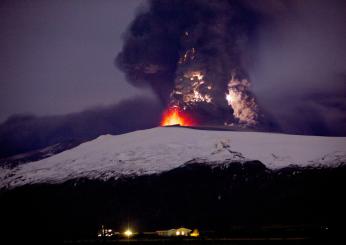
(164, 148)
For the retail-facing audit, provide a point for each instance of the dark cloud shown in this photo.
(22, 133)
(293, 52)
(298, 66)
(156, 39)
(210, 34)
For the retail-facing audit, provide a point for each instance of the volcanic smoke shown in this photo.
(190, 54)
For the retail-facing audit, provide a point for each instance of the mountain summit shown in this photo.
(161, 149)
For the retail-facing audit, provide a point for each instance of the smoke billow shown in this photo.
(210, 58)
(23, 133)
(190, 53)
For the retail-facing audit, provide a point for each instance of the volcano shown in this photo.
(162, 149)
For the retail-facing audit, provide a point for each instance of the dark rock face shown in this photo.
(209, 197)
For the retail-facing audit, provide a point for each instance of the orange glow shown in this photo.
(174, 116)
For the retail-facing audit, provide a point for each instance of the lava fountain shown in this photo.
(174, 116)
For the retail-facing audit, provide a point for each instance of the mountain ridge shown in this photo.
(161, 149)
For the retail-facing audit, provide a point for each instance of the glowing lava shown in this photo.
(173, 116)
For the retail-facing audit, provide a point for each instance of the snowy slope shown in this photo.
(161, 149)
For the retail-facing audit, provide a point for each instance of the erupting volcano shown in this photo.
(174, 116)
(194, 66)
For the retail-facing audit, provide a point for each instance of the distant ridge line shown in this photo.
(215, 128)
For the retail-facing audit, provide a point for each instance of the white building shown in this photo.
(175, 232)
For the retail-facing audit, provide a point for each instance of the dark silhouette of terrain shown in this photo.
(231, 199)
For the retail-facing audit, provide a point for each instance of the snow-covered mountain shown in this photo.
(161, 149)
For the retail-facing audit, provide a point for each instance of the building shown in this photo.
(175, 232)
(106, 232)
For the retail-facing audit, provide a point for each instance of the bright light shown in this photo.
(128, 233)
(177, 233)
(229, 99)
(195, 233)
(174, 116)
(243, 104)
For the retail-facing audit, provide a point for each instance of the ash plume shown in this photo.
(190, 53)
(210, 58)
(24, 133)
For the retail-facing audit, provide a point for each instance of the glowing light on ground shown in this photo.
(195, 233)
(128, 233)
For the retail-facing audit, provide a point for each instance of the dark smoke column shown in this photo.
(189, 53)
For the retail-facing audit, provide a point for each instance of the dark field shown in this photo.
(228, 204)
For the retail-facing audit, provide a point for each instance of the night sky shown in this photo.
(64, 64)
(57, 56)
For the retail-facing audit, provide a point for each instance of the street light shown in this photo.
(128, 233)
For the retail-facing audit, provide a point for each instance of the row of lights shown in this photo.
(128, 233)
(109, 232)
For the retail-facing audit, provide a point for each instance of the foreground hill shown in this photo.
(224, 200)
(161, 149)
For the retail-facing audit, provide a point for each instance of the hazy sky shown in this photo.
(58, 56)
